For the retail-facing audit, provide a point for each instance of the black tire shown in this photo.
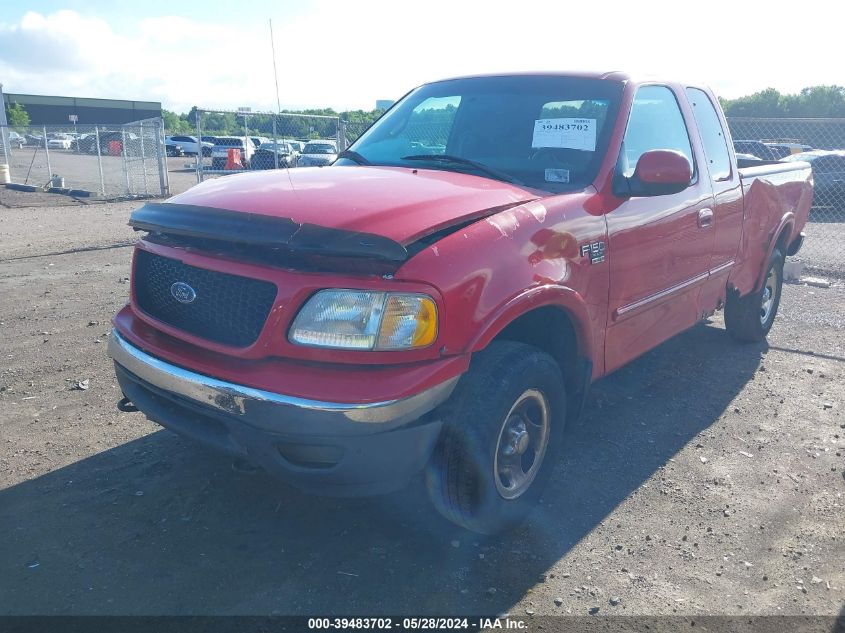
(748, 319)
(462, 475)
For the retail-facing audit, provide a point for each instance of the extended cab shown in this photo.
(443, 296)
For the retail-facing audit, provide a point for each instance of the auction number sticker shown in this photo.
(565, 133)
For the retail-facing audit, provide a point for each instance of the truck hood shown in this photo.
(396, 203)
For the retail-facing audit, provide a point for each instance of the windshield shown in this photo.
(802, 157)
(319, 148)
(229, 142)
(549, 132)
(279, 147)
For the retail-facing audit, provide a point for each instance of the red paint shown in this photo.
(664, 167)
(398, 203)
(664, 266)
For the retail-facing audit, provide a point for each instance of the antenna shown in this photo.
(275, 72)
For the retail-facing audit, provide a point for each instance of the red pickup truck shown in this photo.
(442, 297)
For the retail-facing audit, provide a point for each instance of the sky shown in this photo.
(345, 55)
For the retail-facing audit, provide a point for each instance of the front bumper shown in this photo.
(325, 447)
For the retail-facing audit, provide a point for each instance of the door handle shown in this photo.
(705, 218)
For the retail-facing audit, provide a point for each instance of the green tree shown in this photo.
(17, 115)
(176, 123)
(766, 103)
(813, 103)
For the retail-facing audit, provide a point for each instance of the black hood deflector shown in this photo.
(263, 232)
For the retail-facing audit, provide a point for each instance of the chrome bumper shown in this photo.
(237, 400)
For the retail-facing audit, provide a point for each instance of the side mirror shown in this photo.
(662, 171)
(659, 172)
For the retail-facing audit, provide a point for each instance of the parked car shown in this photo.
(347, 328)
(209, 139)
(34, 139)
(174, 149)
(222, 145)
(755, 148)
(109, 139)
(829, 175)
(747, 160)
(60, 141)
(15, 140)
(190, 146)
(318, 153)
(782, 150)
(265, 156)
(88, 144)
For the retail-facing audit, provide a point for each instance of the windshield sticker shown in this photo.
(565, 133)
(557, 175)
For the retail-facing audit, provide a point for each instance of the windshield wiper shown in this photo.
(352, 155)
(460, 160)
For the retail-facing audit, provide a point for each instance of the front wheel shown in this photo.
(750, 318)
(503, 429)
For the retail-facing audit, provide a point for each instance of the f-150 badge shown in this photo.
(595, 250)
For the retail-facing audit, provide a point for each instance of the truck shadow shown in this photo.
(159, 526)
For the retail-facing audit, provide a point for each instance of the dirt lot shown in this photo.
(82, 171)
(706, 478)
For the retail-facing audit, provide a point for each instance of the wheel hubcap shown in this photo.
(521, 445)
(768, 300)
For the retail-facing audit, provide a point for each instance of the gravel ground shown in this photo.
(82, 171)
(706, 478)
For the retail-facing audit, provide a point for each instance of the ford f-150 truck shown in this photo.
(440, 299)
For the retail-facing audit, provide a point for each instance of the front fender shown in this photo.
(561, 297)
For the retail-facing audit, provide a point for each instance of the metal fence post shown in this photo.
(275, 145)
(341, 135)
(5, 140)
(4, 130)
(47, 152)
(125, 164)
(99, 160)
(143, 157)
(161, 157)
(199, 150)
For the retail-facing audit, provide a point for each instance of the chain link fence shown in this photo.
(353, 129)
(821, 142)
(113, 161)
(234, 141)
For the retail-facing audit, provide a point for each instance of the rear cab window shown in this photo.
(712, 134)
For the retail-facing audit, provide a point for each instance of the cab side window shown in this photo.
(712, 134)
(656, 122)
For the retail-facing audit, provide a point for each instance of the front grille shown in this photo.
(228, 309)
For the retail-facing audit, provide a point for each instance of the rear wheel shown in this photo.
(502, 433)
(750, 318)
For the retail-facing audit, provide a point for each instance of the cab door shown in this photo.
(727, 195)
(659, 247)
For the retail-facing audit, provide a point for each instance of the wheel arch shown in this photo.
(781, 240)
(556, 321)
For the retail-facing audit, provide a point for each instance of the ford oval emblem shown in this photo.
(182, 292)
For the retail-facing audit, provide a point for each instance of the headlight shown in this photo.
(358, 319)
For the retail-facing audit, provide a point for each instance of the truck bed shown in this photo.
(773, 189)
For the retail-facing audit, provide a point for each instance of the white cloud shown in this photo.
(346, 55)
